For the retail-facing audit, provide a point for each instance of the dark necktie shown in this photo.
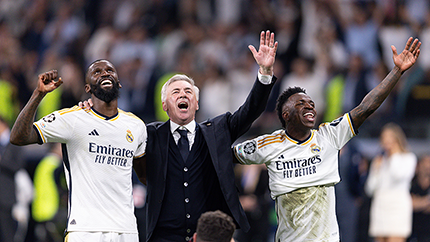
(183, 144)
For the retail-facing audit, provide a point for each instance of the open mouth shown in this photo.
(107, 82)
(183, 105)
(309, 116)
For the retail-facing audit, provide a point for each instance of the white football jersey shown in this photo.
(98, 160)
(294, 169)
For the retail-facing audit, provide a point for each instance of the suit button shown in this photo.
(185, 184)
(187, 200)
(185, 169)
(188, 215)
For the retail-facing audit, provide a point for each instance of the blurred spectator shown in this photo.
(215, 93)
(8, 97)
(21, 209)
(393, 31)
(349, 192)
(388, 183)
(47, 196)
(65, 29)
(420, 191)
(254, 196)
(11, 161)
(361, 34)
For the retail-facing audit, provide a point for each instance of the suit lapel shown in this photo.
(164, 136)
(208, 132)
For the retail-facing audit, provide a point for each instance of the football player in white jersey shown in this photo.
(99, 147)
(303, 162)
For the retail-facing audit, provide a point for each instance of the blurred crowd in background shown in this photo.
(338, 50)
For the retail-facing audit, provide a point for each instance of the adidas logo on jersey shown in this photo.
(73, 222)
(94, 133)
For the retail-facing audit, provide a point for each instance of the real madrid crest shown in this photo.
(315, 149)
(129, 136)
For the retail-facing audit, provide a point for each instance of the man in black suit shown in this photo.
(181, 187)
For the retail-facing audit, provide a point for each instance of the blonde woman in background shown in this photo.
(388, 184)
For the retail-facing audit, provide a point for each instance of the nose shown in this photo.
(308, 105)
(182, 93)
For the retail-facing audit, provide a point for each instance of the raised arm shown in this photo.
(265, 56)
(377, 95)
(22, 132)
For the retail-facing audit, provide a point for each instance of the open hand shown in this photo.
(265, 56)
(47, 82)
(86, 104)
(408, 56)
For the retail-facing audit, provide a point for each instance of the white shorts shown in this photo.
(100, 237)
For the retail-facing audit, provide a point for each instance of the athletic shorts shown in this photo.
(100, 237)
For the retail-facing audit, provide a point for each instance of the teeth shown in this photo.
(311, 114)
(106, 82)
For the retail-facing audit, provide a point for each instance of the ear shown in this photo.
(197, 108)
(87, 88)
(164, 106)
(194, 237)
(285, 115)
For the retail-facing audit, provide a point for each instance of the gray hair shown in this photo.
(178, 77)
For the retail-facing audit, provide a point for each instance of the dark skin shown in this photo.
(299, 111)
(22, 132)
(96, 73)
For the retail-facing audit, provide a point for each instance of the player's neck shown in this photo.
(107, 109)
(298, 134)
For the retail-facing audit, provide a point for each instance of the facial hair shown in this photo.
(105, 95)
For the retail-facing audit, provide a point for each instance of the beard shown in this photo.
(105, 95)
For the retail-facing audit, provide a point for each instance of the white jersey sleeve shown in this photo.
(55, 128)
(335, 131)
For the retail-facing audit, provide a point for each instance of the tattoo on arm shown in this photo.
(22, 132)
(375, 97)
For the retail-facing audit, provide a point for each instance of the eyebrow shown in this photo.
(178, 88)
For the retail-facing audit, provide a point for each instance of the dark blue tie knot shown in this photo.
(183, 144)
(183, 133)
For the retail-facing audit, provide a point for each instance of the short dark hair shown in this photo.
(215, 226)
(283, 98)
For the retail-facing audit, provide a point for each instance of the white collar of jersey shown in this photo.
(99, 115)
(298, 142)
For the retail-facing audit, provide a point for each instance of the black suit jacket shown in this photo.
(219, 134)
